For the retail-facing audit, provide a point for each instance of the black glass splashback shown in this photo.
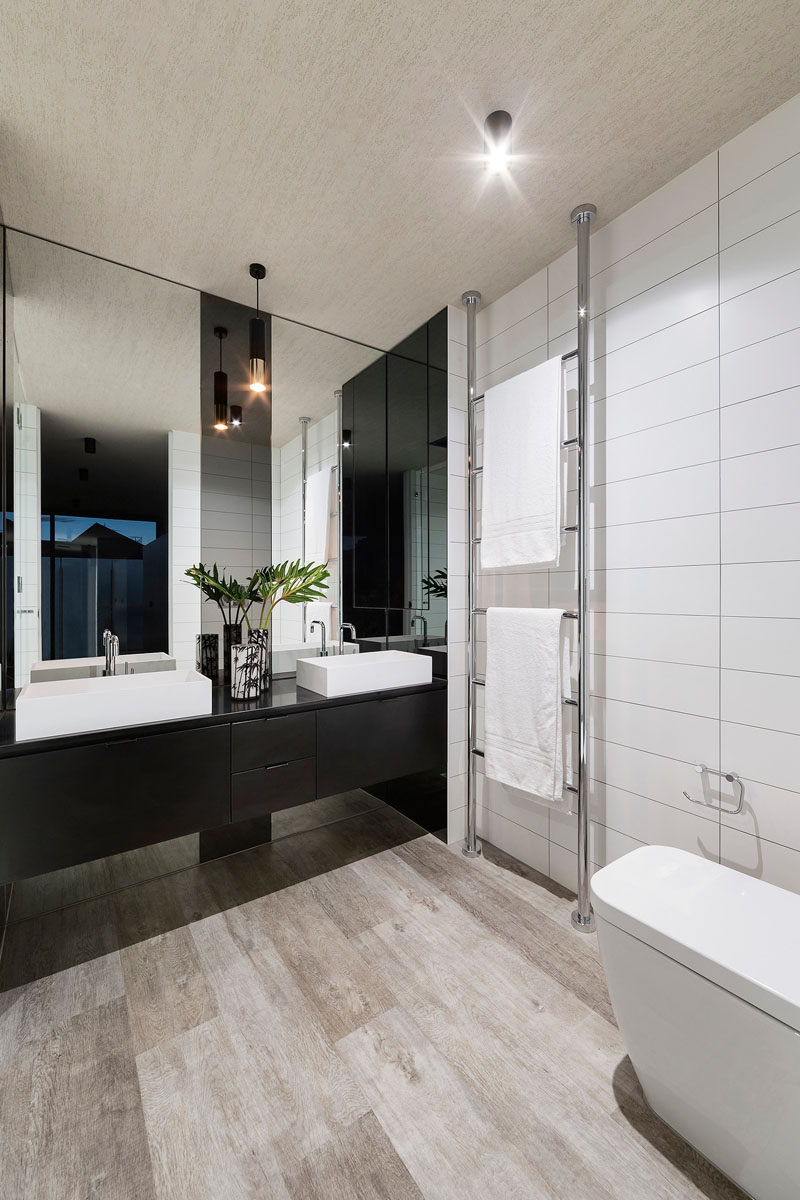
(394, 490)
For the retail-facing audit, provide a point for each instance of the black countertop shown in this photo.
(284, 696)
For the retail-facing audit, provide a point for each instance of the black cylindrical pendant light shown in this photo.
(220, 385)
(258, 339)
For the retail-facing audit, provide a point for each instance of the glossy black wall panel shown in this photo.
(396, 412)
(369, 502)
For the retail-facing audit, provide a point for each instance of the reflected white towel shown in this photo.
(318, 511)
(319, 610)
(527, 674)
(522, 473)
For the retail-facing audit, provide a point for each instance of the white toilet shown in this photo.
(703, 968)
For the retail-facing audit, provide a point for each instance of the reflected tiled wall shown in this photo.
(184, 544)
(695, 545)
(323, 454)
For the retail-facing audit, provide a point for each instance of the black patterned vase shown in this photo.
(231, 636)
(207, 655)
(246, 671)
(260, 637)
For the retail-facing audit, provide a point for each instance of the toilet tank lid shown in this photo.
(737, 931)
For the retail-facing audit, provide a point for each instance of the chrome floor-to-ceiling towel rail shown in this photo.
(582, 917)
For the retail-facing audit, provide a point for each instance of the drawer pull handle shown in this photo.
(121, 742)
(275, 766)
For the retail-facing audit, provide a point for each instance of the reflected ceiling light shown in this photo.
(220, 385)
(258, 339)
(89, 445)
(497, 141)
(236, 415)
(347, 438)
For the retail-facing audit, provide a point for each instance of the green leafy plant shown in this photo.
(293, 582)
(233, 599)
(436, 584)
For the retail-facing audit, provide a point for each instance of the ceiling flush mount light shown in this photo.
(258, 339)
(220, 385)
(497, 141)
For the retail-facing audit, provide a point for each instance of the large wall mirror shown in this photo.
(102, 370)
(119, 476)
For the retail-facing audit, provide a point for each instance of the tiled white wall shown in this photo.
(184, 544)
(322, 449)
(694, 550)
(27, 580)
(236, 520)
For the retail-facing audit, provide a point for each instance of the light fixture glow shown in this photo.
(497, 141)
(258, 339)
(347, 438)
(236, 415)
(220, 385)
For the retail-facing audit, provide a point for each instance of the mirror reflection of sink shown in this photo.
(92, 668)
(66, 706)
(284, 657)
(347, 675)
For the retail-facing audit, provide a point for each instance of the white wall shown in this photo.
(184, 544)
(322, 451)
(236, 520)
(695, 532)
(27, 581)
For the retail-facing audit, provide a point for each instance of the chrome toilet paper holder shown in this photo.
(729, 777)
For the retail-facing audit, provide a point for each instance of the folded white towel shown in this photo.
(527, 674)
(522, 471)
(318, 511)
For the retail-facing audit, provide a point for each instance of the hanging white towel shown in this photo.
(318, 511)
(527, 674)
(522, 469)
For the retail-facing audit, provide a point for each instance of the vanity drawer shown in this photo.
(377, 740)
(273, 740)
(269, 789)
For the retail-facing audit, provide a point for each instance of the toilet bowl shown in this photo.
(703, 969)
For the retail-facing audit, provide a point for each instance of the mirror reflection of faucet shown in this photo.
(419, 617)
(111, 649)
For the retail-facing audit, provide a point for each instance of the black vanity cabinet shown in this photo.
(65, 804)
(363, 744)
(63, 807)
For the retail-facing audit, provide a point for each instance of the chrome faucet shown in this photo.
(111, 647)
(353, 634)
(424, 620)
(323, 653)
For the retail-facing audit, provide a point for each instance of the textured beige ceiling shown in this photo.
(308, 366)
(333, 140)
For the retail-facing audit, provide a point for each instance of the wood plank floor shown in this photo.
(409, 1025)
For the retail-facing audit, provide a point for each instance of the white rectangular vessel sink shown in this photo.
(91, 668)
(65, 706)
(349, 674)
